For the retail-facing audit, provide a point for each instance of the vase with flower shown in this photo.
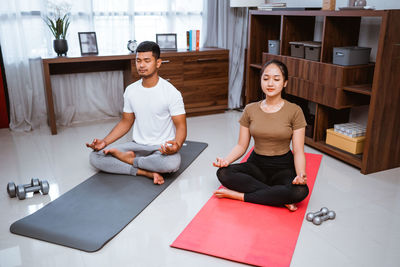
(58, 22)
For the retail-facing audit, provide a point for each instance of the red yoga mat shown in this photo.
(246, 232)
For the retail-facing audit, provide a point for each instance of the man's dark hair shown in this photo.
(149, 46)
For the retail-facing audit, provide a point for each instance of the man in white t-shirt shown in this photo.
(155, 109)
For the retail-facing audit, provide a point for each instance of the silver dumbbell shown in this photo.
(311, 215)
(318, 220)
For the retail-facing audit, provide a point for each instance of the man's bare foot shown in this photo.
(227, 193)
(291, 207)
(126, 157)
(157, 178)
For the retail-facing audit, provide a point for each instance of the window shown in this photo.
(115, 22)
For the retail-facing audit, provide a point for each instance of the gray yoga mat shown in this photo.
(93, 212)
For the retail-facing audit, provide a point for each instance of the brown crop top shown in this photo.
(272, 132)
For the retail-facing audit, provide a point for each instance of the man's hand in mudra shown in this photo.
(170, 147)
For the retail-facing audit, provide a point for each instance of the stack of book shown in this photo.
(271, 6)
(193, 40)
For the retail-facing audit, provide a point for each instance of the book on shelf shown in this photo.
(270, 6)
(193, 40)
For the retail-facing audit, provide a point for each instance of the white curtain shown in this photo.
(25, 40)
(227, 28)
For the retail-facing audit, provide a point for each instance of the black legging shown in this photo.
(264, 180)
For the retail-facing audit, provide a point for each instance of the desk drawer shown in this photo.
(172, 70)
(205, 67)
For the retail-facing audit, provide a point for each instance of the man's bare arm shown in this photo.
(180, 135)
(122, 127)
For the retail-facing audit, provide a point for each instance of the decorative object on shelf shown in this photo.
(58, 22)
(88, 43)
(360, 3)
(132, 45)
(328, 4)
(166, 41)
(273, 47)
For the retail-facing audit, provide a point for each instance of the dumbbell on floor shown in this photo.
(43, 187)
(311, 215)
(318, 220)
(12, 189)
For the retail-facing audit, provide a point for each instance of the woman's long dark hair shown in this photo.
(283, 69)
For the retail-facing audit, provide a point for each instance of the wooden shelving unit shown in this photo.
(335, 89)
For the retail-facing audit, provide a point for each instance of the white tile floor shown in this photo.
(366, 231)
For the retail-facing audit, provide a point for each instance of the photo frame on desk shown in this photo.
(88, 43)
(167, 41)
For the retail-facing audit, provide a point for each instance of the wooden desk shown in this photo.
(68, 65)
(201, 76)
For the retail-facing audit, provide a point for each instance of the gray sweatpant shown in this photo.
(146, 158)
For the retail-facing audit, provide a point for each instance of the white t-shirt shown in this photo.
(153, 108)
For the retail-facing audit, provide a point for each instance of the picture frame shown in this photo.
(166, 41)
(88, 43)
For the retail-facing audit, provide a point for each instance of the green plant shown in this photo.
(59, 19)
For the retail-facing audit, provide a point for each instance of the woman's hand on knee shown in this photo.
(300, 179)
(221, 162)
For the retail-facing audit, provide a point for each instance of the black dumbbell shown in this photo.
(12, 189)
(43, 187)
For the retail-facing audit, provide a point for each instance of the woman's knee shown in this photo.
(300, 192)
(224, 175)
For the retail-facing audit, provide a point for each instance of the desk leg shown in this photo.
(51, 117)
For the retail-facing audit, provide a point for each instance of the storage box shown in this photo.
(297, 49)
(352, 145)
(312, 50)
(273, 47)
(351, 55)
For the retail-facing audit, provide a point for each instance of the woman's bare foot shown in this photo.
(291, 207)
(227, 193)
(126, 157)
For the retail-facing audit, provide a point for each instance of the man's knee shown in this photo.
(95, 157)
(172, 164)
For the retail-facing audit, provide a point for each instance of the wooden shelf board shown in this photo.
(351, 159)
(256, 65)
(343, 13)
(364, 89)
